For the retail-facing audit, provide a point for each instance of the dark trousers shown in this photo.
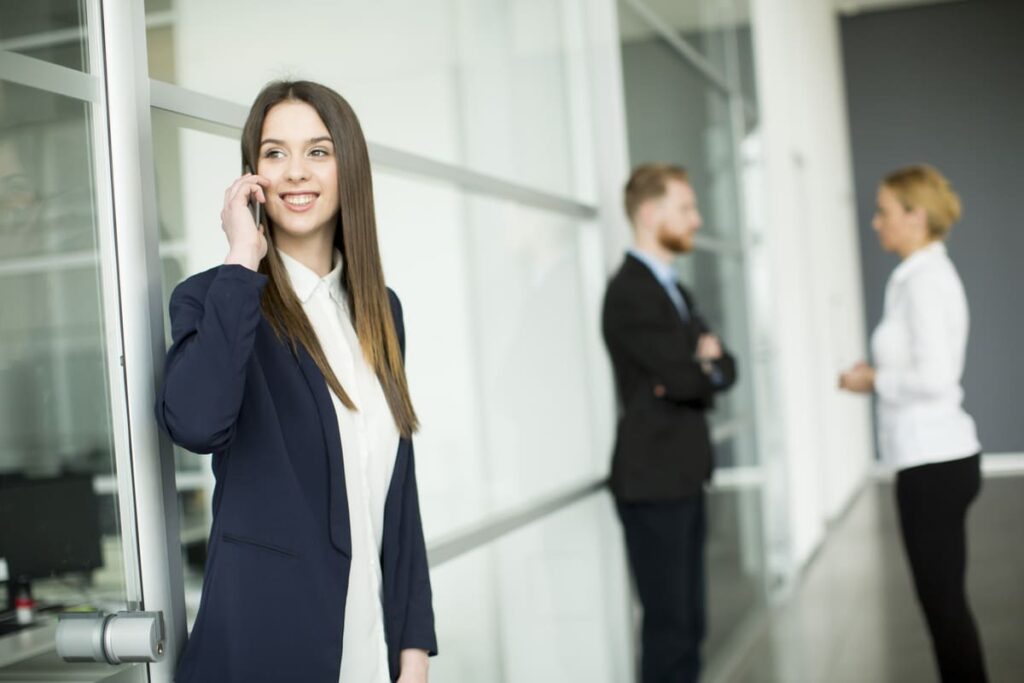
(665, 544)
(933, 501)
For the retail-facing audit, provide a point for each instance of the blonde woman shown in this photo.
(924, 432)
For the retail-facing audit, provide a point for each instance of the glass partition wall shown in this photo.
(688, 101)
(475, 113)
(65, 481)
(479, 117)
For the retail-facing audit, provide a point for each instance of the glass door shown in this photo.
(70, 456)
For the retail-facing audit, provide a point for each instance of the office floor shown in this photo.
(854, 619)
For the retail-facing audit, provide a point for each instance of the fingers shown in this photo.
(247, 185)
(709, 347)
(244, 190)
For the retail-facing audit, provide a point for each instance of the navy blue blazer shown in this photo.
(273, 600)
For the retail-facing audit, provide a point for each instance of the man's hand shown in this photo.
(709, 348)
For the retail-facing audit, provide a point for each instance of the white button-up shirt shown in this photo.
(369, 444)
(919, 349)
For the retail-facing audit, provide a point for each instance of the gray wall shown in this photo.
(944, 84)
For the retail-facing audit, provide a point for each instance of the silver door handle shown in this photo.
(111, 638)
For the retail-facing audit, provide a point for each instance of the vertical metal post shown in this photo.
(114, 348)
(136, 234)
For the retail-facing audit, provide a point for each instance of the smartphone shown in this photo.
(254, 204)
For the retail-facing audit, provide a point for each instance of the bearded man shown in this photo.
(668, 367)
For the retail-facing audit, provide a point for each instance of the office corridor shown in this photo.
(853, 617)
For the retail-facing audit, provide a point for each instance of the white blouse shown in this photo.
(919, 349)
(369, 444)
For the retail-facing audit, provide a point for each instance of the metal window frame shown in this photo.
(87, 87)
(146, 499)
(136, 230)
(489, 529)
(689, 52)
(197, 105)
(53, 78)
(231, 115)
(728, 84)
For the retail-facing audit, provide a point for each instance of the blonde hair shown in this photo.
(924, 186)
(648, 182)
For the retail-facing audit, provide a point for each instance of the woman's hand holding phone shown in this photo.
(247, 241)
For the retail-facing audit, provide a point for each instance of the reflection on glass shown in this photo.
(735, 569)
(547, 603)
(478, 83)
(495, 315)
(717, 283)
(676, 115)
(524, 607)
(533, 340)
(745, 65)
(704, 24)
(719, 30)
(188, 209)
(59, 537)
(53, 31)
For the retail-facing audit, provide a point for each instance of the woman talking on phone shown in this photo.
(287, 365)
(924, 432)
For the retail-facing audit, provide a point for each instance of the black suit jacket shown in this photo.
(663, 445)
(273, 603)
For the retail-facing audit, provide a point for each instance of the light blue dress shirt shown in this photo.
(666, 276)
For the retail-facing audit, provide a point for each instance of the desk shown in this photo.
(27, 643)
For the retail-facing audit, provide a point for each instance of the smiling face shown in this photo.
(297, 156)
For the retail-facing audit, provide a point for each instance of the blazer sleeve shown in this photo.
(213, 330)
(636, 332)
(726, 365)
(419, 632)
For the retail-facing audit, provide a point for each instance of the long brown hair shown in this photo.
(355, 237)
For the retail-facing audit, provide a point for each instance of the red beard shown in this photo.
(677, 244)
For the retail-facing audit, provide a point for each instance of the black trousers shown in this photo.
(933, 501)
(665, 544)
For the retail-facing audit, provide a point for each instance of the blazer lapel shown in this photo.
(341, 535)
(642, 274)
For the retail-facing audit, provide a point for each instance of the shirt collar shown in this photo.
(923, 255)
(663, 272)
(305, 282)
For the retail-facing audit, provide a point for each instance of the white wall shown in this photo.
(817, 442)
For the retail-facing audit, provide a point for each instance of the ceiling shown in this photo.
(855, 6)
(704, 15)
